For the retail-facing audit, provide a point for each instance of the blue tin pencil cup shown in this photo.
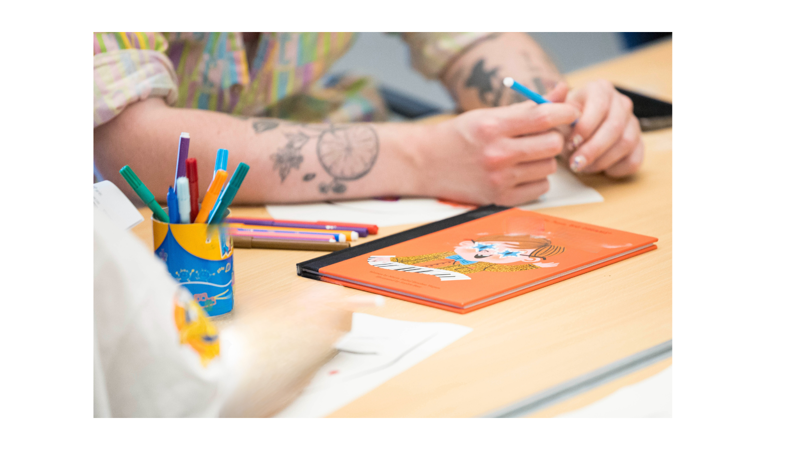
(201, 261)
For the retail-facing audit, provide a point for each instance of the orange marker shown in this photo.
(211, 196)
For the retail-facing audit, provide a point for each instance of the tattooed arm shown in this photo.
(492, 155)
(606, 139)
(289, 162)
(475, 78)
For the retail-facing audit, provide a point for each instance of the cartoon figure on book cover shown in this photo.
(495, 253)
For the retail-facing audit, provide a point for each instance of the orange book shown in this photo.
(476, 259)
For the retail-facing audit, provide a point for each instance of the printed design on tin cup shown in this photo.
(201, 260)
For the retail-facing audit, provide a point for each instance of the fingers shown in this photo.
(524, 173)
(606, 135)
(524, 193)
(594, 100)
(529, 118)
(623, 147)
(526, 149)
(628, 165)
(559, 93)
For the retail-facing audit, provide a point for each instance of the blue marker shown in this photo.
(221, 164)
(172, 205)
(222, 160)
(512, 83)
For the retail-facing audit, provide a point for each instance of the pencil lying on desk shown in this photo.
(293, 237)
(362, 230)
(287, 244)
(337, 237)
(349, 235)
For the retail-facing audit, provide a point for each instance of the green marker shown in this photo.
(144, 193)
(226, 198)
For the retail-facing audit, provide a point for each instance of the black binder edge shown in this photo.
(310, 268)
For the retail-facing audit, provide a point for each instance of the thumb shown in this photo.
(559, 93)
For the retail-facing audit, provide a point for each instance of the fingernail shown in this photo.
(577, 163)
(577, 140)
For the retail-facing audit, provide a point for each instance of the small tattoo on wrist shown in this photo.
(262, 125)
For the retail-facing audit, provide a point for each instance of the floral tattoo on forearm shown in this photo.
(346, 152)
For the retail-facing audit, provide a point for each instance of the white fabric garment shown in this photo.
(141, 368)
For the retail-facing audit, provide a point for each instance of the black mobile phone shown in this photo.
(653, 114)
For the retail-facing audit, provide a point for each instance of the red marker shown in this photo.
(191, 174)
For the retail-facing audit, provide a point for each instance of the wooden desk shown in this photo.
(527, 344)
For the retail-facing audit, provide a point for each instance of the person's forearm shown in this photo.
(289, 162)
(475, 78)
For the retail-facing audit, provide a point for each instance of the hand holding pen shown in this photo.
(608, 136)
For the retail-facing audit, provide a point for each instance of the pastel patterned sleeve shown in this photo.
(431, 53)
(130, 67)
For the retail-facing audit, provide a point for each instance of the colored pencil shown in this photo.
(362, 231)
(287, 244)
(349, 235)
(282, 236)
(339, 237)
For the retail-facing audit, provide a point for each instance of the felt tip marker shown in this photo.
(183, 153)
(513, 84)
(172, 206)
(211, 196)
(141, 190)
(222, 160)
(226, 198)
(184, 209)
(191, 175)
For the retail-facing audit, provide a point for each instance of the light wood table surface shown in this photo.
(537, 340)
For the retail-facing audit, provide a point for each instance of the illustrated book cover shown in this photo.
(476, 259)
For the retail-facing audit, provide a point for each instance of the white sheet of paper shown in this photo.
(109, 199)
(375, 350)
(565, 189)
(651, 397)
